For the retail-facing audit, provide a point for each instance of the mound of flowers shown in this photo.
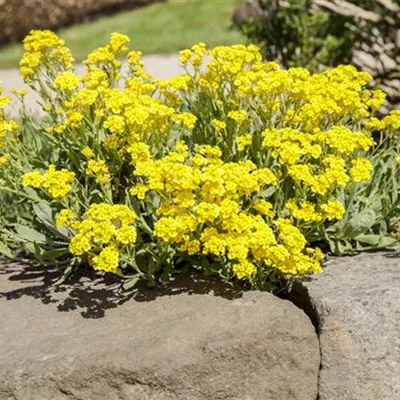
(237, 167)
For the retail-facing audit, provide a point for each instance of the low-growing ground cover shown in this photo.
(159, 28)
(237, 168)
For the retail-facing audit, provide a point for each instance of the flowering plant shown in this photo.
(237, 167)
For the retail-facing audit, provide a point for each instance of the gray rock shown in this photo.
(355, 303)
(245, 12)
(197, 339)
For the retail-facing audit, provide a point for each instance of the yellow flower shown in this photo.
(79, 245)
(244, 270)
(306, 212)
(377, 100)
(4, 100)
(104, 224)
(333, 210)
(264, 208)
(115, 124)
(4, 159)
(361, 170)
(33, 179)
(213, 242)
(392, 121)
(107, 260)
(59, 128)
(139, 152)
(375, 124)
(123, 214)
(218, 125)
(191, 247)
(185, 56)
(98, 169)
(85, 98)
(21, 92)
(265, 176)
(139, 190)
(185, 198)
(134, 57)
(207, 211)
(174, 230)
(67, 81)
(291, 236)
(297, 137)
(57, 182)
(244, 141)
(43, 47)
(65, 217)
(238, 116)
(186, 119)
(126, 234)
(74, 119)
(238, 250)
(87, 152)
(118, 42)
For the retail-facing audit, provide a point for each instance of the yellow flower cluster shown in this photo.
(296, 97)
(238, 116)
(101, 233)
(106, 56)
(99, 170)
(392, 121)
(4, 159)
(237, 160)
(218, 125)
(67, 81)
(194, 55)
(66, 217)
(307, 211)
(7, 127)
(208, 209)
(43, 47)
(56, 183)
(333, 209)
(87, 152)
(141, 116)
(127, 114)
(320, 160)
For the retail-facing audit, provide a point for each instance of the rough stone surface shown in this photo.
(196, 339)
(355, 304)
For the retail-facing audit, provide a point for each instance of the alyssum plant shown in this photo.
(237, 167)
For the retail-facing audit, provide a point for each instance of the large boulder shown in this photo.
(196, 339)
(355, 304)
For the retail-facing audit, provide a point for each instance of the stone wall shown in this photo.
(199, 338)
(18, 17)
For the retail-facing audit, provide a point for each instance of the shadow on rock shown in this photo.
(93, 293)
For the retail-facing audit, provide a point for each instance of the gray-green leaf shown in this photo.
(29, 234)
